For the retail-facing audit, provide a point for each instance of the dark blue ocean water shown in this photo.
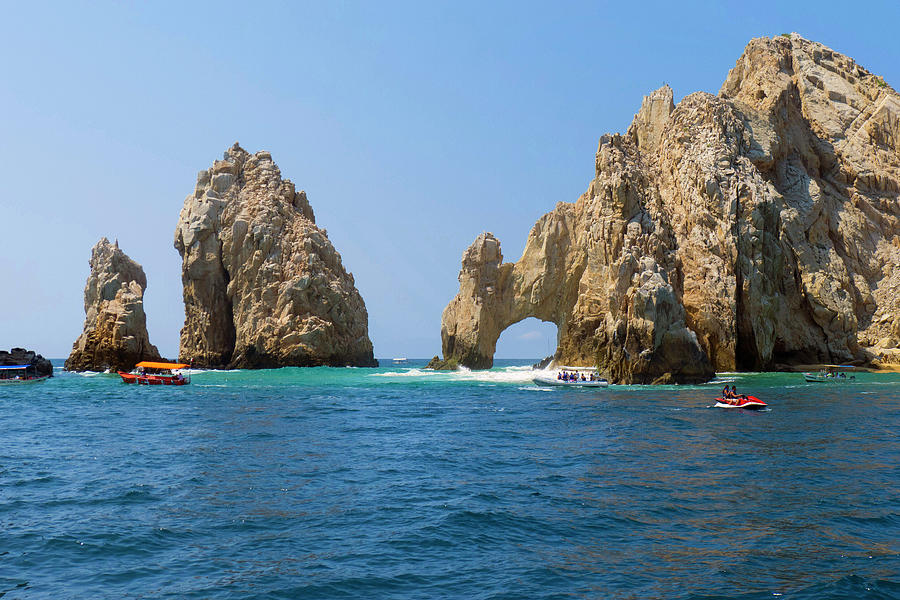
(400, 483)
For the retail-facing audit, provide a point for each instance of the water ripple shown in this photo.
(405, 483)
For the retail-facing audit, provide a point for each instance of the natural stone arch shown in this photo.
(600, 269)
(756, 228)
(494, 295)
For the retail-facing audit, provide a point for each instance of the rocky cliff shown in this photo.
(748, 230)
(115, 326)
(263, 285)
(37, 364)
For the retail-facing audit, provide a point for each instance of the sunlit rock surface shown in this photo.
(748, 230)
(263, 285)
(115, 325)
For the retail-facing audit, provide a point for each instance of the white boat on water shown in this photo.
(831, 374)
(577, 377)
(16, 374)
(400, 360)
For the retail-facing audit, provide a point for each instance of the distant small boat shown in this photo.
(591, 378)
(15, 374)
(156, 373)
(400, 360)
(745, 402)
(831, 374)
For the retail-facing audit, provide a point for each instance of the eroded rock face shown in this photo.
(115, 325)
(263, 286)
(756, 228)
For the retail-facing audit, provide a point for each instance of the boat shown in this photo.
(400, 360)
(831, 374)
(16, 374)
(591, 378)
(745, 402)
(156, 373)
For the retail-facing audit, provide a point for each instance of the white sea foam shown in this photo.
(409, 373)
(519, 374)
(198, 370)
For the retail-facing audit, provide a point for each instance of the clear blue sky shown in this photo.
(413, 127)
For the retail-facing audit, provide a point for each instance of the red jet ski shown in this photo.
(748, 402)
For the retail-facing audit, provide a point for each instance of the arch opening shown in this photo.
(530, 339)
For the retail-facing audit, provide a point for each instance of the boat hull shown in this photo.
(152, 379)
(747, 403)
(547, 380)
(23, 381)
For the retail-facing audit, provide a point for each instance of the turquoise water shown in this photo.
(402, 483)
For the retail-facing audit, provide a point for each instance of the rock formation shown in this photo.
(115, 326)
(263, 286)
(37, 364)
(748, 230)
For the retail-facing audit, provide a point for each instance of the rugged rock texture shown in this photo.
(115, 326)
(739, 231)
(38, 365)
(263, 286)
(439, 364)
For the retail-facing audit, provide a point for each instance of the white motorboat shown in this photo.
(831, 374)
(572, 377)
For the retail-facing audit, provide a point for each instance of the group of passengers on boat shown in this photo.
(142, 372)
(573, 377)
(834, 374)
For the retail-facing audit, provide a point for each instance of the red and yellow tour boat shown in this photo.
(156, 373)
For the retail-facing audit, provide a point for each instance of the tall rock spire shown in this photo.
(115, 326)
(263, 285)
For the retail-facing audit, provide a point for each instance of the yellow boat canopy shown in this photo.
(156, 365)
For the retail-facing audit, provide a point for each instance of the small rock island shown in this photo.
(37, 365)
(263, 285)
(115, 325)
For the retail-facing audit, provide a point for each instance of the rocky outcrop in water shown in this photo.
(756, 228)
(37, 364)
(115, 326)
(263, 285)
